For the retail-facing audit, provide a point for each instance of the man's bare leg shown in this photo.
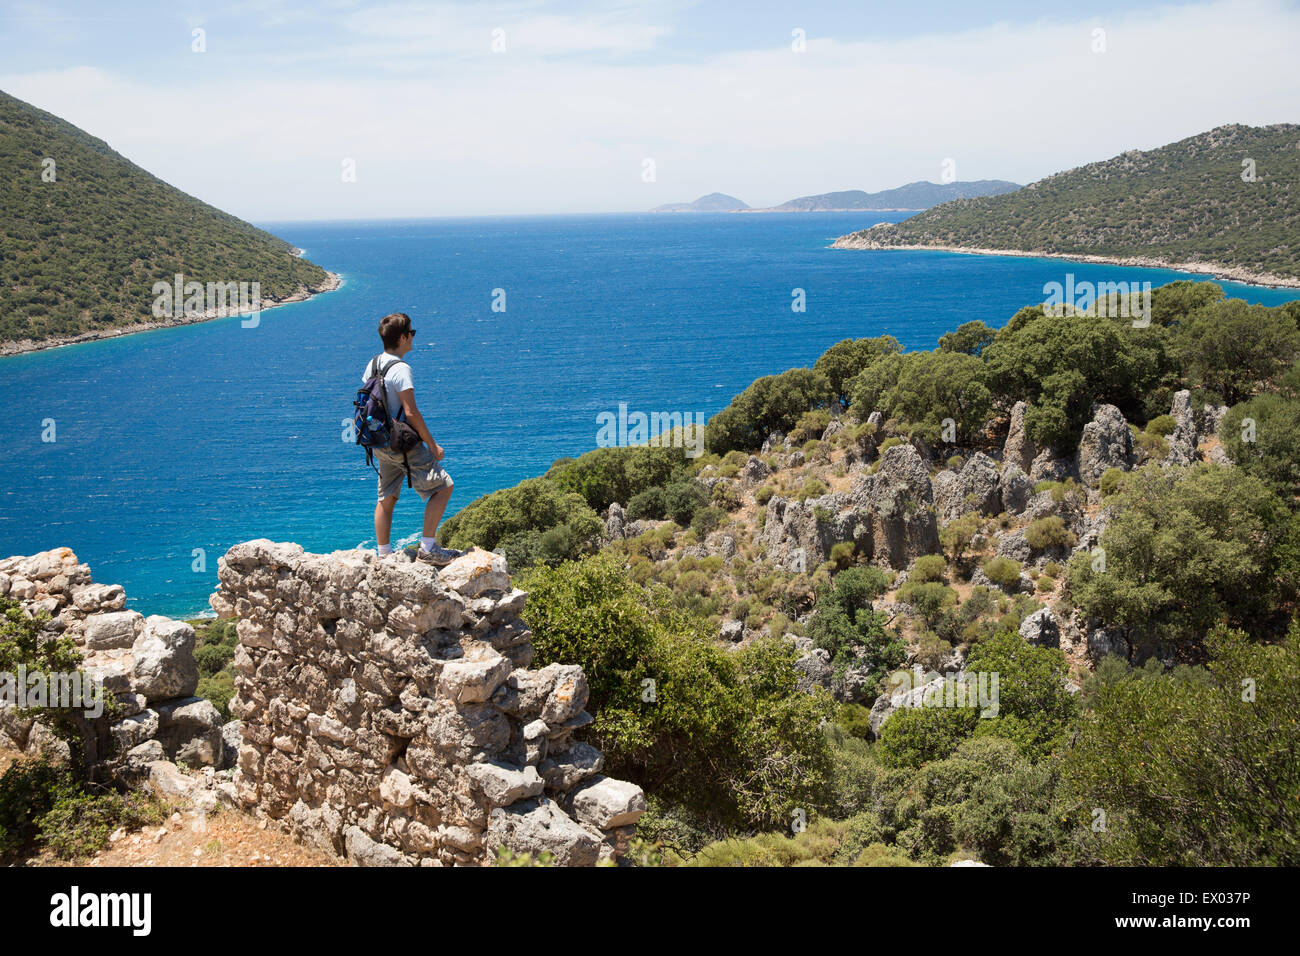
(433, 510)
(384, 518)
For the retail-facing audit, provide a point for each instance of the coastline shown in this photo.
(332, 281)
(1213, 270)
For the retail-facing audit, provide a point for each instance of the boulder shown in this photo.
(894, 509)
(1183, 440)
(1107, 443)
(363, 851)
(538, 826)
(1018, 450)
(616, 522)
(814, 669)
(1041, 629)
(112, 629)
(1016, 488)
(605, 803)
(977, 487)
(163, 657)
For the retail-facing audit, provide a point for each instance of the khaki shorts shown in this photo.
(427, 476)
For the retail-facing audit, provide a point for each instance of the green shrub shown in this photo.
(707, 520)
(764, 495)
(929, 567)
(725, 734)
(1154, 445)
(727, 496)
(843, 554)
(1162, 425)
(682, 499)
(929, 598)
(647, 505)
(913, 736)
(1003, 571)
(1049, 532)
(1110, 481)
(811, 488)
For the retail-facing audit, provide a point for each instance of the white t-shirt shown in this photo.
(396, 380)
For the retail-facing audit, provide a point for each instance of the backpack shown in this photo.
(373, 423)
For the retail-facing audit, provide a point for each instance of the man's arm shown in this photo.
(416, 421)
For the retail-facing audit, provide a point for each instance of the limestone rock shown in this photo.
(977, 487)
(1041, 629)
(1107, 443)
(1018, 450)
(163, 658)
(538, 826)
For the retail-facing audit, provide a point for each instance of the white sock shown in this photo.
(428, 543)
(385, 549)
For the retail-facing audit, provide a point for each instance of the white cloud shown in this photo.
(536, 129)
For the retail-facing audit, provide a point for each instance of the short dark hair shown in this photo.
(393, 327)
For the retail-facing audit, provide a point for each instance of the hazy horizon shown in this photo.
(563, 118)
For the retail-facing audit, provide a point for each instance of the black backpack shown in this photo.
(375, 425)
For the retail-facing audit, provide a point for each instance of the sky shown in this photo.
(343, 109)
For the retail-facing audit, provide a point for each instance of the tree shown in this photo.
(969, 338)
(1192, 770)
(925, 389)
(850, 631)
(956, 536)
(771, 404)
(1231, 347)
(844, 360)
(1270, 448)
(1186, 550)
(1064, 365)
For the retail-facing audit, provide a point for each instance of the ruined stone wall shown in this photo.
(388, 711)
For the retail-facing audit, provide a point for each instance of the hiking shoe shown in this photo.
(438, 556)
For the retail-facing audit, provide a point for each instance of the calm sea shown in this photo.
(172, 445)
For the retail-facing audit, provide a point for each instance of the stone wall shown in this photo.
(387, 710)
(146, 664)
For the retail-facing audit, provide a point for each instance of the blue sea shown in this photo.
(172, 445)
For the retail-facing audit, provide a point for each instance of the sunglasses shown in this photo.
(411, 333)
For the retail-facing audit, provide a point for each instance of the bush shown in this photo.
(1049, 532)
(524, 513)
(928, 598)
(647, 505)
(1110, 481)
(811, 488)
(913, 736)
(682, 499)
(929, 567)
(726, 496)
(843, 554)
(707, 520)
(1003, 571)
(764, 495)
(1162, 425)
(727, 735)
(1164, 755)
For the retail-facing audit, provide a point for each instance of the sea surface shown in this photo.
(172, 445)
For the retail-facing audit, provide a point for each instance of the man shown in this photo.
(428, 478)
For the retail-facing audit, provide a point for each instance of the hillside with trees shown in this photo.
(1228, 198)
(1107, 517)
(87, 233)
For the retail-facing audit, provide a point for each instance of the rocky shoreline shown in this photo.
(332, 281)
(1214, 270)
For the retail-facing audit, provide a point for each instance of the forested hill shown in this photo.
(85, 239)
(1229, 197)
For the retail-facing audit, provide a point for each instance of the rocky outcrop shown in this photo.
(388, 712)
(615, 522)
(1107, 443)
(1041, 629)
(895, 509)
(1018, 450)
(799, 535)
(144, 665)
(1184, 439)
(977, 487)
(1016, 488)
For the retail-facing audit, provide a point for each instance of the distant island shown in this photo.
(87, 234)
(918, 195)
(1225, 203)
(713, 202)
